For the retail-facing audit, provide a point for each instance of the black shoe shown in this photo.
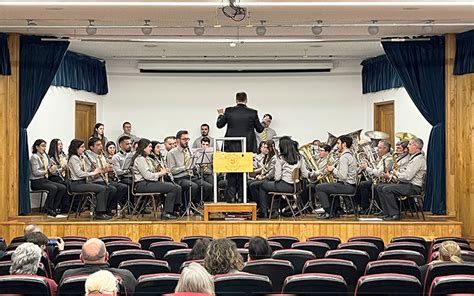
(102, 216)
(51, 213)
(168, 216)
(324, 216)
(109, 213)
(391, 218)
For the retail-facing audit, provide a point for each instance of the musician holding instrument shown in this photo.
(59, 158)
(94, 157)
(346, 174)
(121, 161)
(410, 177)
(40, 169)
(375, 173)
(147, 179)
(79, 175)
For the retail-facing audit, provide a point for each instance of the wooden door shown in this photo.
(384, 119)
(85, 119)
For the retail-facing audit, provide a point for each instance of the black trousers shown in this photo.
(389, 193)
(56, 192)
(186, 184)
(365, 194)
(117, 193)
(254, 191)
(323, 191)
(172, 192)
(206, 183)
(234, 186)
(66, 201)
(101, 192)
(269, 186)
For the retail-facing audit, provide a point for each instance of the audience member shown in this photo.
(101, 282)
(259, 248)
(222, 257)
(199, 249)
(449, 251)
(195, 279)
(31, 228)
(41, 240)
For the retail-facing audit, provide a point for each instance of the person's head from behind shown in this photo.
(94, 252)
(101, 282)
(449, 251)
(199, 249)
(259, 248)
(25, 259)
(222, 257)
(241, 98)
(288, 150)
(31, 228)
(37, 238)
(195, 279)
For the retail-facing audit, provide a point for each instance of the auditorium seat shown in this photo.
(7, 256)
(331, 241)
(139, 267)
(413, 239)
(462, 246)
(370, 248)
(467, 256)
(345, 268)
(5, 269)
(119, 256)
(242, 284)
(74, 238)
(67, 255)
(73, 245)
(275, 246)
(358, 257)
(121, 245)
(24, 285)
(146, 241)
(319, 249)
(191, 240)
(61, 267)
(244, 253)
(297, 257)
(416, 257)
(175, 258)
(156, 284)
(459, 284)
(285, 241)
(388, 284)
(444, 269)
(276, 270)
(377, 241)
(3, 244)
(315, 284)
(161, 248)
(449, 238)
(393, 266)
(74, 285)
(187, 262)
(113, 238)
(12, 246)
(18, 239)
(407, 246)
(240, 240)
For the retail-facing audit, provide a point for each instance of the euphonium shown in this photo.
(308, 156)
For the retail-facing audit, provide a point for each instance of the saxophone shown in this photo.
(394, 179)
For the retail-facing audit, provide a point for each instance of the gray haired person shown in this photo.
(25, 259)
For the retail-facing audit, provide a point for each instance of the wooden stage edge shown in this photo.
(302, 228)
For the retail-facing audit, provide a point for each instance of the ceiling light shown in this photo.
(428, 28)
(373, 30)
(146, 29)
(199, 30)
(91, 29)
(232, 44)
(261, 30)
(32, 24)
(317, 29)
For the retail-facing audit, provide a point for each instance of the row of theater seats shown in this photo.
(323, 262)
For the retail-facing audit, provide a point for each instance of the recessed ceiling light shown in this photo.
(410, 8)
(150, 45)
(315, 46)
(54, 8)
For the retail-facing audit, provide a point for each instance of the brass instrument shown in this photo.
(332, 140)
(326, 177)
(376, 136)
(404, 136)
(305, 150)
(394, 179)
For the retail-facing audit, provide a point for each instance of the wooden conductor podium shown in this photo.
(231, 162)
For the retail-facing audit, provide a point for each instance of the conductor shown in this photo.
(241, 122)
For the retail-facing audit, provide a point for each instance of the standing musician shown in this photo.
(345, 173)
(121, 161)
(79, 175)
(127, 131)
(95, 158)
(147, 179)
(99, 132)
(411, 178)
(265, 173)
(268, 133)
(384, 165)
(204, 133)
(40, 169)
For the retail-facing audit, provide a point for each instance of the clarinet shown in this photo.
(94, 166)
(53, 161)
(162, 164)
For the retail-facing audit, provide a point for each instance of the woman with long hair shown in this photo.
(59, 158)
(449, 251)
(99, 132)
(289, 161)
(223, 257)
(40, 169)
(79, 174)
(146, 179)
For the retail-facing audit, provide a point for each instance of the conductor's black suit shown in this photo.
(241, 122)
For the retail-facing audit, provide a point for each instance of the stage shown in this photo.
(302, 227)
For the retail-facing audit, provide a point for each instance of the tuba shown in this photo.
(305, 150)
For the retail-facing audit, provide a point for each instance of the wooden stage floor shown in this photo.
(302, 228)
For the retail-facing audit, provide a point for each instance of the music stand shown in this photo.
(190, 169)
(203, 156)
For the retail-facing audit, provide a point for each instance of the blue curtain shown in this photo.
(464, 61)
(378, 74)
(82, 72)
(39, 61)
(420, 65)
(4, 55)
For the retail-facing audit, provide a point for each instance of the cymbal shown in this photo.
(377, 135)
(404, 136)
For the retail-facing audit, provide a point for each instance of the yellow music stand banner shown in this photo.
(233, 162)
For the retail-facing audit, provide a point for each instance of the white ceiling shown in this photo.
(284, 20)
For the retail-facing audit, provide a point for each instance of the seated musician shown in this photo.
(40, 169)
(121, 161)
(147, 179)
(346, 175)
(288, 160)
(410, 177)
(375, 174)
(79, 175)
(59, 158)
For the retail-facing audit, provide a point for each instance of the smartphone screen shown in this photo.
(53, 241)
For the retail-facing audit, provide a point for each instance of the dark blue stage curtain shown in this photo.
(39, 61)
(378, 74)
(420, 65)
(4, 55)
(464, 61)
(82, 72)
